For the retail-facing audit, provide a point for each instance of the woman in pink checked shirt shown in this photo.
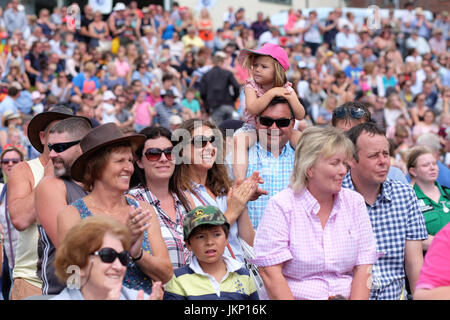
(315, 239)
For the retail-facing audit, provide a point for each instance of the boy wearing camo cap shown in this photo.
(211, 275)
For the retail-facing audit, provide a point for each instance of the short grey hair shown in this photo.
(74, 126)
(430, 140)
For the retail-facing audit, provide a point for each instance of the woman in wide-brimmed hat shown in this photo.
(105, 168)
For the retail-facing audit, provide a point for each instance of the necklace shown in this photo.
(92, 205)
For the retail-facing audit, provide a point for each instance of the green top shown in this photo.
(437, 215)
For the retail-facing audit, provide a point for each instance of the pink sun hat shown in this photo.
(268, 49)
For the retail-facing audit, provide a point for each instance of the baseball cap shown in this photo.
(268, 49)
(203, 215)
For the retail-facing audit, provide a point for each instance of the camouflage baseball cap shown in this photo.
(202, 215)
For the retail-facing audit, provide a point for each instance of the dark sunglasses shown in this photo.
(202, 141)
(108, 255)
(355, 113)
(6, 161)
(154, 154)
(281, 123)
(63, 146)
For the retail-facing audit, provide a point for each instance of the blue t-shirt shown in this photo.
(85, 85)
(353, 73)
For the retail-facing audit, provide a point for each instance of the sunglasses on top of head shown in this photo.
(355, 113)
(280, 123)
(154, 154)
(202, 141)
(63, 146)
(108, 255)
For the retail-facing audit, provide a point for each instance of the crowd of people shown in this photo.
(316, 153)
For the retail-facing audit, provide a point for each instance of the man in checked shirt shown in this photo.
(397, 222)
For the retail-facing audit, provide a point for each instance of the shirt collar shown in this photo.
(232, 265)
(312, 206)
(386, 186)
(267, 154)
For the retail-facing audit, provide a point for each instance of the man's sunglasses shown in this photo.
(355, 113)
(63, 146)
(202, 141)
(108, 255)
(281, 123)
(14, 161)
(154, 154)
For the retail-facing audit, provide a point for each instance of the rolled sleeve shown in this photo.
(273, 235)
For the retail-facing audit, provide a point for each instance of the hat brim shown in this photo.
(77, 170)
(245, 52)
(40, 122)
(213, 223)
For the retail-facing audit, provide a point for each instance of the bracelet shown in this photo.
(139, 257)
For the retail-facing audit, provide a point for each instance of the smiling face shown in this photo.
(102, 277)
(118, 169)
(208, 244)
(326, 175)
(10, 159)
(158, 170)
(201, 158)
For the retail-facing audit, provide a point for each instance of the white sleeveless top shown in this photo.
(27, 244)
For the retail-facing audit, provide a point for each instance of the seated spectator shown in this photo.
(417, 42)
(428, 125)
(295, 263)
(211, 275)
(347, 40)
(191, 40)
(143, 74)
(418, 111)
(326, 110)
(61, 88)
(108, 108)
(85, 82)
(99, 246)
(143, 112)
(112, 78)
(191, 102)
(98, 30)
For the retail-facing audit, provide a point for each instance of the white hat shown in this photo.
(108, 95)
(36, 95)
(175, 120)
(302, 64)
(119, 6)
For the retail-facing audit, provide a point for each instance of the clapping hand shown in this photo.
(157, 292)
(138, 221)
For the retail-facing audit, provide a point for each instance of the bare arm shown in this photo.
(245, 228)
(360, 290)
(68, 217)
(156, 265)
(440, 293)
(50, 197)
(413, 261)
(21, 197)
(275, 283)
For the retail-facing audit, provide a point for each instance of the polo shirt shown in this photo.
(436, 214)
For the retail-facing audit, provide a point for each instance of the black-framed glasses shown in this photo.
(202, 141)
(14, 161)
(154, 154)
(108, 255)
(63, 146)
(281, 123)
(355, 113)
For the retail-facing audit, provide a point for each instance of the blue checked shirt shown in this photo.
(395, 218)
(276, 173)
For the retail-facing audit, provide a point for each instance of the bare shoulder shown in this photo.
(22, 170)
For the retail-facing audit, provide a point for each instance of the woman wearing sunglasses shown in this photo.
(105, 168)
(203, 177)
(153, 178)
(92, 261)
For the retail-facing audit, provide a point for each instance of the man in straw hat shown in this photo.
(54, 192)
(22, 181)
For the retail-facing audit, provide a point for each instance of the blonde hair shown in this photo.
(279, 78)
(314, 143)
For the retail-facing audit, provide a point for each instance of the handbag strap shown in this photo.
(203, 202)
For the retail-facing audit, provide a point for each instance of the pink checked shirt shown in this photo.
(317, 262)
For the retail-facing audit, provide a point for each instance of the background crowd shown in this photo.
(142, 67)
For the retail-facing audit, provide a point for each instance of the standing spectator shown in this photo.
(219, 90)
(98, 30)
(401, 229)
(84, 34)
(259, 26)
(15, 19)
(205, 28)
(312, 32)
(347, 40)
(143, 112)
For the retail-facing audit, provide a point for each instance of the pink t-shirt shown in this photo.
(435, 270)
(143, 116)
(259, 91)
(122, 68)
(317, 262)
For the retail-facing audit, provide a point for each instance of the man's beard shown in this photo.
(63, 171)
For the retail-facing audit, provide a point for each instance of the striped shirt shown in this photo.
(192, 283)
(276, 173)
(318, 261)
(172, 231)
(395, 218)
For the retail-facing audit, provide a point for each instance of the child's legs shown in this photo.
(242, 141)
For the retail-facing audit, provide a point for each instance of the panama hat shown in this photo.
(42, 120)
(98, 138)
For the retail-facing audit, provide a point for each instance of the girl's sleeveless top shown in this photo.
(134, 277)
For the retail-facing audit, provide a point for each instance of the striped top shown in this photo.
(191, 283)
